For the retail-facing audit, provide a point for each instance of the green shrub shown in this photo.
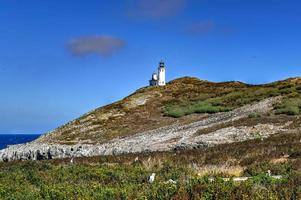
(197, 107)
(262, 168)
(289, 110)
(287, 90)
(254, 115)
(289, 106)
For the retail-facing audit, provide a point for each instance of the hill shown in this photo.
(185, 132)
(187, 113)
(153, 107)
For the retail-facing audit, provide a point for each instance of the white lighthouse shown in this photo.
(158, 78)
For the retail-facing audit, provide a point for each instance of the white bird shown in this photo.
(71, 161)
(269, 173)
(151, 179)
(136, 159)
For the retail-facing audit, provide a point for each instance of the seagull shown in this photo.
(136, 159)
(71, 161)
(269, 172)
(151, 179)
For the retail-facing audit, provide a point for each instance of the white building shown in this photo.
(158, 78)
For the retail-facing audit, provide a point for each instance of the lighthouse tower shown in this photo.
(161, 74)
(158, 78)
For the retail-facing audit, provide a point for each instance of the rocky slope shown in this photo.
(141, 123)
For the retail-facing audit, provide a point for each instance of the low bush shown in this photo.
(254, 115)
(197, 107)
(289, 106)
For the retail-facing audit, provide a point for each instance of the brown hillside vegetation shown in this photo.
(183, 100)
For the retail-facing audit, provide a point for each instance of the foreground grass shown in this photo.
(43, 180)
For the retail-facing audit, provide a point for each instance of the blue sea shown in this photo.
(9, 139)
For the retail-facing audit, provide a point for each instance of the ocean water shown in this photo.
(9, 139)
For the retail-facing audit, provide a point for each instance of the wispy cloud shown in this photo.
(155, 8)
(95, 45)
(201, 27)
(206, 27)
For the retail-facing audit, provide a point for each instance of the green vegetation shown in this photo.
(42, 180)
(222, 102)
(254, 115)
(198, 107)
(224, 97)
(290, 106)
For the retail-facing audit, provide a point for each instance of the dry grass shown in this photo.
(222, 170)
(282, 159)
(151, 163)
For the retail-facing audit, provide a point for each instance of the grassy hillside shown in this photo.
(224, 97)
(153, 107)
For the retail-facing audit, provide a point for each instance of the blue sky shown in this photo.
(60, 59)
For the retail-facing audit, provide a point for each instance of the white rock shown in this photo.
(151, 179)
